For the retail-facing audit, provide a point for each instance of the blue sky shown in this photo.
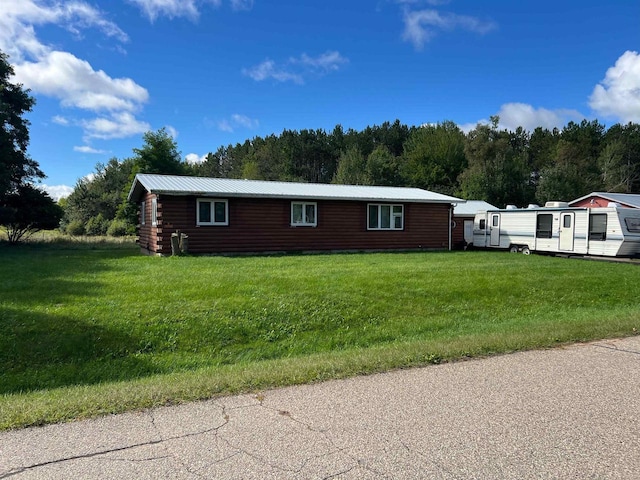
(215, 72)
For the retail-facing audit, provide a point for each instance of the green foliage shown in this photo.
(118, 228)
(97, 225)
(352, 168)
(75, 228)
(159, 154)
(27, 210)
(16, 167)
(267, 321)
(497, 171)
(434, 157)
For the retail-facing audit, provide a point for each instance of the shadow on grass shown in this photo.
(40, 351)
(41, 348)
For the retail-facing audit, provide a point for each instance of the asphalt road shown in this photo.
(568, 413)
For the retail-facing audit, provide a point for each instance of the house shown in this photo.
(462, 224)
(247, 216)
(602, 199)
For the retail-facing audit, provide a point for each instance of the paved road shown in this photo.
(570, 413)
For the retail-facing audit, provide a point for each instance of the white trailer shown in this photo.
(556, 228)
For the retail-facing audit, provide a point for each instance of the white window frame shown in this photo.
(212, 202)
(143, 213)
(304, 222)
(393, 216)
(154, 212)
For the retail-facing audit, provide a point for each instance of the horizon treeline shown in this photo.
(488, 163)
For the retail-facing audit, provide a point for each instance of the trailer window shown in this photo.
(633, 224)
(598, 226)
(482, 224)
(544, 225)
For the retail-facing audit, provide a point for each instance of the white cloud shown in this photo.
(194, 158)
(17, 33)
(514, 115)
(237, 121)
(420, 26)
(171, 131)
(268, 69)
(618, 94)
(297, 68)
(64, 76)
(176, 8)
(60, 120)
(118, 125)
(56, 192)
(88, 149)
(73, 81)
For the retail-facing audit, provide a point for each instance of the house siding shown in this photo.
(596, 202)
(263, 225)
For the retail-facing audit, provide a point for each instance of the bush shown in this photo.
(117, 228)
(75, 228)
(97, 225)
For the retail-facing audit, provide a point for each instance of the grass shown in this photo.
(102, 329)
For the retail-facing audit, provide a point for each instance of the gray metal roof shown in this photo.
(203, 186)
(631, 199)
(471, 207)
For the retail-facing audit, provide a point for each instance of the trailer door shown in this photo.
(567, 231)
(495, 230)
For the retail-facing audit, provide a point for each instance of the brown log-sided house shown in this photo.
(224, 216)
(603, 199)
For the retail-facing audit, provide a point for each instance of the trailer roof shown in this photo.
(204, 186)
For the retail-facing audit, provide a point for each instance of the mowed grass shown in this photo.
(88, 331)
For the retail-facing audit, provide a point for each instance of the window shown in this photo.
(212, 212)
(154, 212)
(544, 225)
(304, 214)
(598, 226)
(143, 213)
(495, 220)
(633, 224)
(385, 217)
(482, 225)
(566, 221)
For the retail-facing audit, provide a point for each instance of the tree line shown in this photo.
(488, 163)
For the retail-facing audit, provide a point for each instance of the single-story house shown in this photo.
(602, 199)
(462, 225)
(247, 216)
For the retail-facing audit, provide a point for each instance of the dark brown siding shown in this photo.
(457, 231)
(147, 232)
(263, 225)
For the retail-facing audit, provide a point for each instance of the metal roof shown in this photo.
(470, 207)
(632, 199)
(204, 186)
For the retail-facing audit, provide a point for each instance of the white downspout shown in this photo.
(450, 218)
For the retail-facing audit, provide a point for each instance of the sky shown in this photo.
(218, 72)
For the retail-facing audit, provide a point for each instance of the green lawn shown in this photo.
(86, 331)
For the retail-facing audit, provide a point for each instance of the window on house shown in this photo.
(304, 214)
(544, 225)
(385, 217)
(212, 212)
(598, 226)
(143, 213)
(154, 212)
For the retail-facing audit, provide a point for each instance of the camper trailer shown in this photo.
(557, 228)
